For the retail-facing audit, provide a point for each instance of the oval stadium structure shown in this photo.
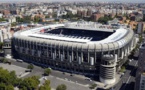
(78, 47)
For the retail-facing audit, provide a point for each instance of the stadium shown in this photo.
(87, 48)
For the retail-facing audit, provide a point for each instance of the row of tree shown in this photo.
(27, 19)
(2, 19)
(105, 19)
(47, 71)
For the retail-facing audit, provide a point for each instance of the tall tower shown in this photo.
(108, 69)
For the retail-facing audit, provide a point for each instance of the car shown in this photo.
(19, 60)
(63, 72)
(99, 89)
(71, 75)
(130, 60)
(106, 85)
(88, 79)
(28, 70)
(66, 79)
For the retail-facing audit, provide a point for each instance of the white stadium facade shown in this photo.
(77, 47)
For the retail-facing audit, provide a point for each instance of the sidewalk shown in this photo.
(101, 85)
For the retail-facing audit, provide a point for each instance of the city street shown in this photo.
(56, 77)
(127, 81)
(39, 71)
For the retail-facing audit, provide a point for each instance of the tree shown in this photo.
(7, 79)
(140, 38)
(2, 86)
(13, 78)
(122, 69)
(2, 19)
(37, 19)
(30, 66)
(1, 45)
(6, 87)
(61, 87)
(104, 19)
(13, 24)
(25, 19)
(4, 60)
(46, 86)
(54, 15)
(93, 86)
(47, 71)
(30, 83)
(9, 87)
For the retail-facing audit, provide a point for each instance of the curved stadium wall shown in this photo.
(74, 57)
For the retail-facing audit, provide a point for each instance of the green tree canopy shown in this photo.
(9, 87)
(4, 60)
(30, 83)
(6, 87)
(93, 86)
(3, 86)
(13, 24)
(25, 19)
(5, 77)
(30, 66)
(47, 71)
(46, 86)
(37, 19)
(2, 19)
(1, 44)
(69, 15)
(9, 79)
(104, 19)
(61, 87)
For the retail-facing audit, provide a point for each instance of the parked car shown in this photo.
(28, 70)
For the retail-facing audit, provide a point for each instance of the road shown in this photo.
(127, 81)
(57, 81)
(39, 71)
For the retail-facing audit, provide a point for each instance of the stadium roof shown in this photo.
(116, 40)
(35, 32)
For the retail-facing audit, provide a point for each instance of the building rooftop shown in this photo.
(4, 23)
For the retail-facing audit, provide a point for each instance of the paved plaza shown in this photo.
(55, 81)
(20, 71)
